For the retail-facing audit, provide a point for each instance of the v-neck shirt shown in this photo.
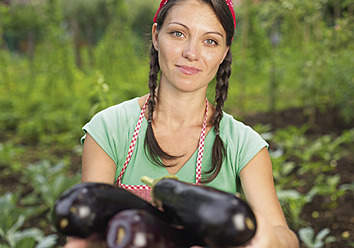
(113, 129)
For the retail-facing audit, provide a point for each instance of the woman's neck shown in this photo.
(180, 110)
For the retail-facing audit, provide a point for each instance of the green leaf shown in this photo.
(286, 194)
(322, 234)
(306, 235)
(287, 168)
(318, 244)
(20, 221)
(349, 186)
(31, 233)
(47, 242)
(330, 239)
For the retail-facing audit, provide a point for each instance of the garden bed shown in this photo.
(339, 219)
(319, 213)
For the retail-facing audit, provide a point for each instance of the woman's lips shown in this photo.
(188, 70)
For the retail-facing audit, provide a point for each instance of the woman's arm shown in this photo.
(258, 186)
(97, 166)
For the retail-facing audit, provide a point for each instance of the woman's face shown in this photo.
(191, 45)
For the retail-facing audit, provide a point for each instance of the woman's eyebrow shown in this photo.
(215, 32)
(185, 26)
(178, 23)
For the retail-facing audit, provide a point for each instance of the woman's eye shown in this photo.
(211, 42)
(178, 34)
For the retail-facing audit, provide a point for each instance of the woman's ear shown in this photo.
(155, 37)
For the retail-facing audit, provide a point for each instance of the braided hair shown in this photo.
(152, 148)
(221, 91)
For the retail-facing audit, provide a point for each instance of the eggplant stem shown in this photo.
(148, 181)
(151, 182)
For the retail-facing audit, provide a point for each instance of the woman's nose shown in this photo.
(191, 50)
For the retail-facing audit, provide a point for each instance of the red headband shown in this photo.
(228, 2)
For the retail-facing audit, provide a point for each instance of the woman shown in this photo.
(175, 130)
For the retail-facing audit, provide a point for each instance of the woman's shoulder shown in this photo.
(236, 131)
(118, 115)
(230, 124)
(242, 141)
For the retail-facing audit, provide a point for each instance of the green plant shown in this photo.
(292, 203)
(313, 155)
(307, 235)
(45, 182)
(48, 182)
(10, 157)
(327, 186)
(284, 173)
(348, 186)
(12, 231)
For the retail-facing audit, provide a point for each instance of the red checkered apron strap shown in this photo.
(198, 173)
(136, 188)
(130, 152)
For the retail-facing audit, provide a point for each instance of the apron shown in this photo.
(143, 191)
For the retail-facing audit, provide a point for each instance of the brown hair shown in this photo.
(152, 148)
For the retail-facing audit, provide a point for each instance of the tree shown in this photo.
(87, 20)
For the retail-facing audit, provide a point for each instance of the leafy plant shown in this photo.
(307, 235)
(10, 157)
(292, 203)
(314, 156)
(48, 182)
(12, 232)
(328, 186)
(349, 187)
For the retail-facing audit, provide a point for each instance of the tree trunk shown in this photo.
(272, 85)
(337, 9)
(30, 44)
(90, 44)
(350, 9)
(76, 40)
(244, 54)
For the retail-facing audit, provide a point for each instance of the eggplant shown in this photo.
(139, 229)
(219, 218)
(86, 208)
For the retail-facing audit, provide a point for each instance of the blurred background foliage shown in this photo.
(62, 61)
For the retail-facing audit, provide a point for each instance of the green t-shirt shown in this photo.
(113, 129)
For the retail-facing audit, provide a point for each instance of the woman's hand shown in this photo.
(268, 236)
(76, 243)
(91, 242)
(265, 236)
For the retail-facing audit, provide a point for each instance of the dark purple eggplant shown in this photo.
(220, 219)
(86, 208)
(140, 229)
